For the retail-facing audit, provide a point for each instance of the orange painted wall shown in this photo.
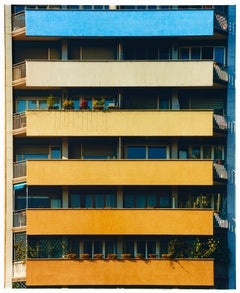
(120, 272)
(119, 222)
(119, 172)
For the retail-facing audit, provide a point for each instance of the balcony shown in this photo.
(118, 123)
(123, 221)
(45, 73)
(157, 272)
(119, 172)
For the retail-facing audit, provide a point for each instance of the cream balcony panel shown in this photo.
(181, 272)
(123, 222)
(119, 172)
(119, 123)
(119, 73)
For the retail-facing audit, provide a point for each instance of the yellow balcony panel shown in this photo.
(119, 172)
(118, 73)
(123, 222)
(156, 272)
(119, 123)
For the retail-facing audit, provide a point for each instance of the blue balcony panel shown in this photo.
(114, 23)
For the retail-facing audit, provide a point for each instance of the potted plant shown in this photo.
(152, 255)
(99, 104)
(125, 255)
(71, 255)
(84, 255)
(68, 104)
(139, 255)
(112, 256)
(98, 255)
(51, 102)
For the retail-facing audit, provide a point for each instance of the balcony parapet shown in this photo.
(220, 73)
(19, 219)
(18, 21)
(220, 171)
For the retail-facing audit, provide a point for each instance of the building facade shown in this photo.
(120, 146)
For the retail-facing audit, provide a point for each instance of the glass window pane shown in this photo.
(38, 202)
(75, 201)
(55, 203)
(87, 247)
(219, 55)
(164, 103)
(97, 247)
(87, 201)
(195, 53)
(42, 104)
(35, 156)
(164, 202)
(164, 53)
(141, 248)
(136, 152)
(99, 201)
(157, 153)
(56, 152)
(183, 153)
(129, 247)
(32, 104)
(152, 200)
(184, 53)
(140, 201)
(207, 53)
(128, 201)
(110, 247)
(21, 105)
(207, 152)
(151, 247)
(110, 200)
(196, 152)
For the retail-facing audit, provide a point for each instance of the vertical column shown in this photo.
(174, 197)
(119, 246)
(64, 148)
(65, 197)
(64, 49)
(175, 101)
(119, 197)
(174, 149)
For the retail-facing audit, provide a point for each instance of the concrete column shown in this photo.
(174, 149)
(64, 49)
(65, 194)
(119, 246)
(175, 101)
(64, 148)
(174, 197)
(119, 197)
(7, 255)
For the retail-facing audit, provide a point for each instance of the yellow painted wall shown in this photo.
(117, 73)
(122, 123)
(119, 222)
(119, 172)
(120, 272)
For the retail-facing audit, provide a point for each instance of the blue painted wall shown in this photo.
(231, 142)
(113, 23)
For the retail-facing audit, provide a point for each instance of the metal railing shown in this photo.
(19, 169)
(19, 70)
(19, 218)
(19, 120)
(18, 21)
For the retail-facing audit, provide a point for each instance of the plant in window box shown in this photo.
(152, 255)
(112, 256)
(99, 104)
(98, 255)
(84, 255)
(139, 255)
(51, 102)
(125, 255)
(71, 255)
(68, 104)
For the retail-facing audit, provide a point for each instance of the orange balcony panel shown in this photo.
(119, 172)
(123, 222)
(119, 123)
(156, 272)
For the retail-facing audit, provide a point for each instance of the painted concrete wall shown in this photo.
(180, 272)
(112, 23)
(119, 73)
(123, 222)
(119, 172)
(119, 123)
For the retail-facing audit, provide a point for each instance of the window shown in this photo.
(219, 55)
(55, 152)
(23, 104)
(146, 152)
(95, 200)
(146, 200)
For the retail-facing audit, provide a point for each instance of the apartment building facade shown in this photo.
(120, 146)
